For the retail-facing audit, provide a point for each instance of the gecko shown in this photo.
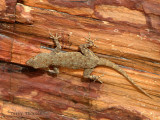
(86, 59)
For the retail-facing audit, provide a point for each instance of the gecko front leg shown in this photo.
(56, 41)
(56, 50)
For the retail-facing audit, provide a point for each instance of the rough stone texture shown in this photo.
(127, 32)
(7, 10)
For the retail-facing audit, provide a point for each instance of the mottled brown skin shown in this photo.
(85, 59)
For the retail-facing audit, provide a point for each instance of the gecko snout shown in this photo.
(30, 62)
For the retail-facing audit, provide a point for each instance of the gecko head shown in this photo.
(32, 62)
(41, 61)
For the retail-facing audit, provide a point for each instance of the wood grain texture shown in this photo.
(136, 13)
(7, 10)
(127, 33)
(67, 95)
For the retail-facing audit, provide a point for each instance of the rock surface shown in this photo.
(127, 33)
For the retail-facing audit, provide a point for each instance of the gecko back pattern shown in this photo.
(85, 59)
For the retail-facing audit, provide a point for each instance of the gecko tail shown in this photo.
(108, 63)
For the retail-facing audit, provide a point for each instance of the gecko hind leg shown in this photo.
(56, 41)
(84, 47)
(87, 74)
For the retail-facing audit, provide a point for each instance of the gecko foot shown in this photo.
(56, 37)
(96, 78)
(98, 81)
(53, 71)
(89, 41)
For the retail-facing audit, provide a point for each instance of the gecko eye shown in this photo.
(35, 58)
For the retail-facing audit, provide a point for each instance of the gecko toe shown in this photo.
(97, 78)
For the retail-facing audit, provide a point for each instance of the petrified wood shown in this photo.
(127, 33)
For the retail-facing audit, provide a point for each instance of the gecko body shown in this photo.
(85, 59)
